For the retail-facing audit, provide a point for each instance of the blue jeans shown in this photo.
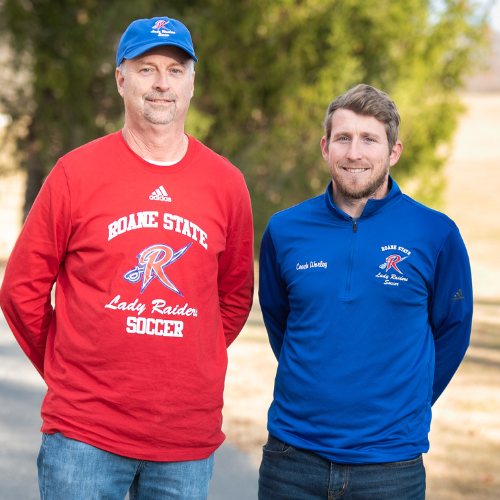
(289, 473)
(72, 470)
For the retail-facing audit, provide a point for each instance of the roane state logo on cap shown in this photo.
(160, 27)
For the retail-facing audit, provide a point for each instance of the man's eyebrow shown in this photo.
(371, 134)
(144, 60)
(363, 134)
(148, 60)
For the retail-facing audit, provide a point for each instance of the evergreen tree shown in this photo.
(267, 71)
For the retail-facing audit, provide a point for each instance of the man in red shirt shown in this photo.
(148, 236)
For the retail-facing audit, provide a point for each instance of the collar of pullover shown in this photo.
(371, 207)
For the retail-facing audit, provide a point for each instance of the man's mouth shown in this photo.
(355, 170)
(159, 100)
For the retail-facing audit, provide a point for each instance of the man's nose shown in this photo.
(162, 81)
(354, 152)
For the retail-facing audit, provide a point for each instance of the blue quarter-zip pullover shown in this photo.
(369, 320)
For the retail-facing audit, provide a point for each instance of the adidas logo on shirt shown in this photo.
(160, 195)
(458, 296)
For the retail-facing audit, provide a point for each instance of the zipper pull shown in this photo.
(355, 226)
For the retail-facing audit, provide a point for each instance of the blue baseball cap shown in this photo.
(144, 34)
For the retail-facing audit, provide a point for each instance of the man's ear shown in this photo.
(324, 148)
(119, 80)
(397, 149)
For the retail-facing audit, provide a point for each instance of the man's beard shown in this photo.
(158, 116)
(355, 190)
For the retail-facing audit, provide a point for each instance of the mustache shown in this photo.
(170, 96)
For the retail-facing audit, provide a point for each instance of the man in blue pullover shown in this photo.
(367, 300)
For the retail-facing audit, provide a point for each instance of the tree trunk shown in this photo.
(34, 169)
(34, 182)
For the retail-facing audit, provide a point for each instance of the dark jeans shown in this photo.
(289, 473)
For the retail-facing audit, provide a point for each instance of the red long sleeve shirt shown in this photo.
(154, 274)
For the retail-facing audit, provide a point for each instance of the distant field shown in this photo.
(473, 189)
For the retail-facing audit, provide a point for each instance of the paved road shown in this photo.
(21, 394)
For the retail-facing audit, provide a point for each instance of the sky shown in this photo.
(494, 10)
(495, 17)
(494, 14)
(492, 5)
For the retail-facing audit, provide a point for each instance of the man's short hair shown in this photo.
(369, 101)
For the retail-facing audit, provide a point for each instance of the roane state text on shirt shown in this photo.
(148, 219)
